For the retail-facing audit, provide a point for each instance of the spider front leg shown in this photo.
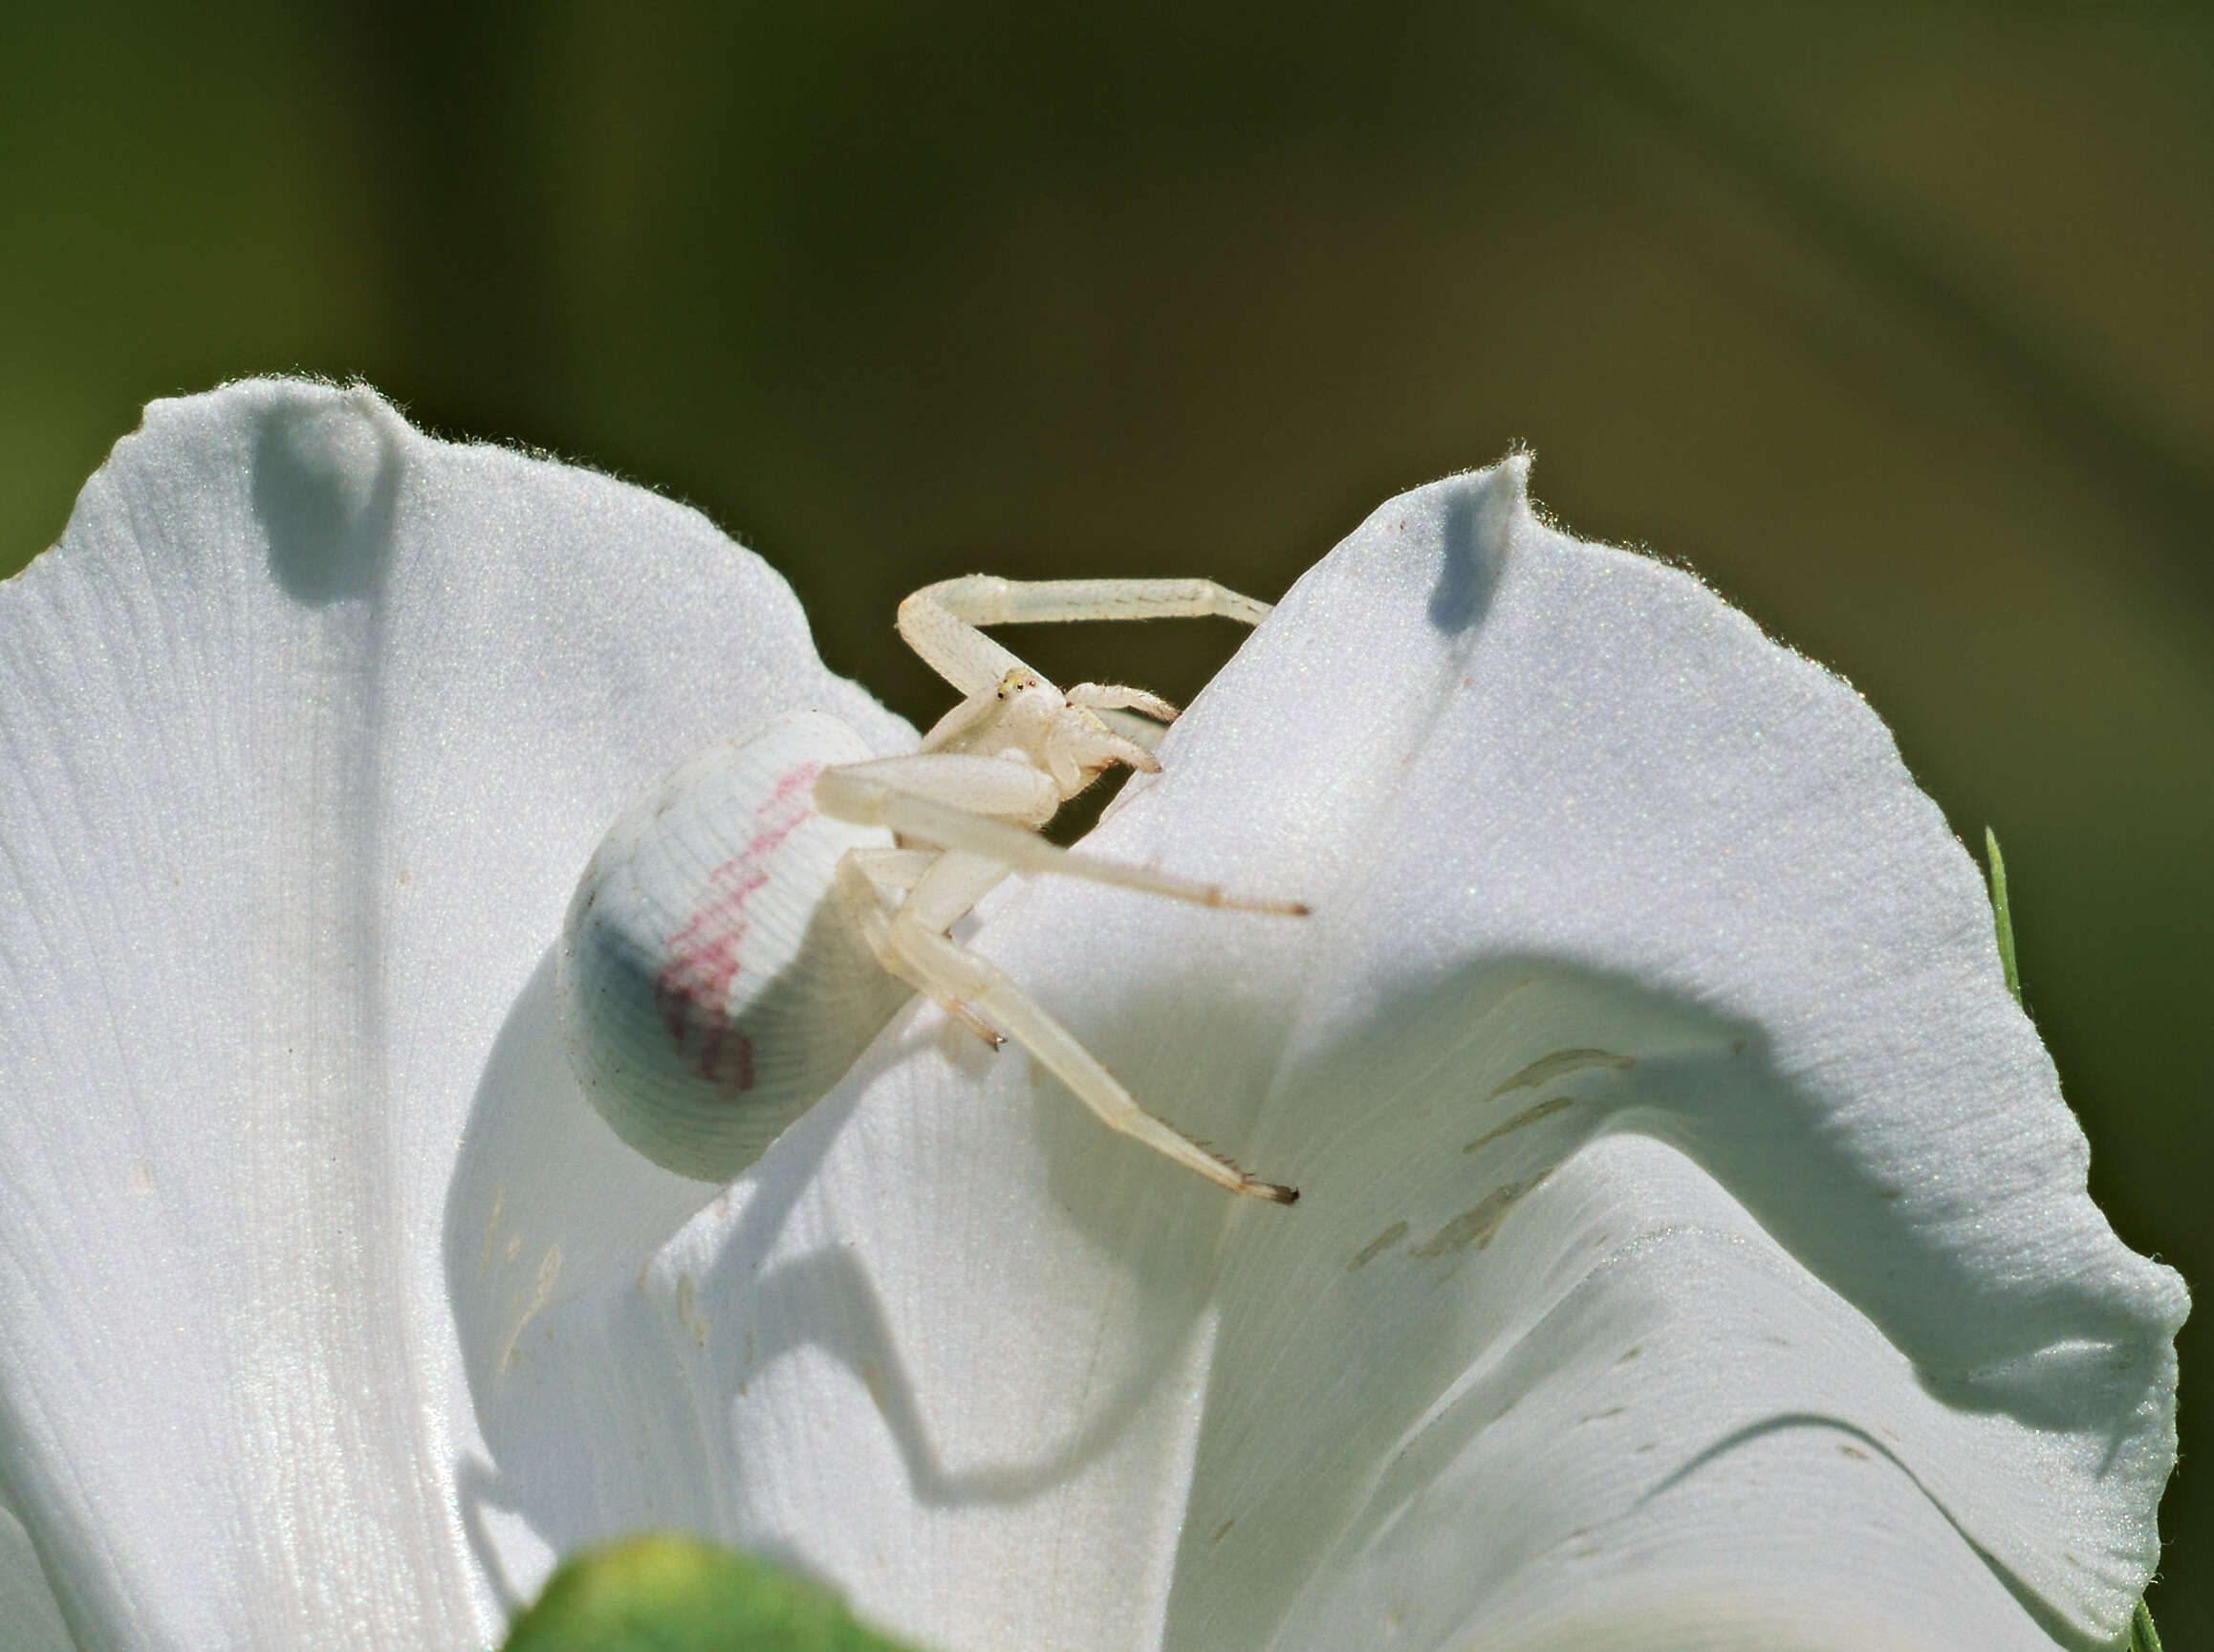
(972, 804)
(876, 883)
(941, 621)
(931, 957)
(905, 903)
(912, 944)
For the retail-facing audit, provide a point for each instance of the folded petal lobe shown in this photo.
(1601, 815)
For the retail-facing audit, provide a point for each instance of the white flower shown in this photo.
(1694, 1248)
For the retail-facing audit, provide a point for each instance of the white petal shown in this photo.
(1668, 1412)
(309, 724)
(30, 1616)
(1648, 1004)
(1600, 814)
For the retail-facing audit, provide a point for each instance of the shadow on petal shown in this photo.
(1547, 1212)
(629, 1375)
(326, 484)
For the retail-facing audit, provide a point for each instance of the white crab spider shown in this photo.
(748, 927)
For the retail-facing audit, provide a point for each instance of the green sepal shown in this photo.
(2002, 916)
(665, 1592)
(2143, 1637)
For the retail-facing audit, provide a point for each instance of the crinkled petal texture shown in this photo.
(1694, 1248)
(309, 723)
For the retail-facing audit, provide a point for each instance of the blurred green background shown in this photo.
(1895, 322)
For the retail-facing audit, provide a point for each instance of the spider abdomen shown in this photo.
(713, 987)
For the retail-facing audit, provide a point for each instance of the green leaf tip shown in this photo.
(665, 1592)
(2143, 1637)
(2002, 916)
